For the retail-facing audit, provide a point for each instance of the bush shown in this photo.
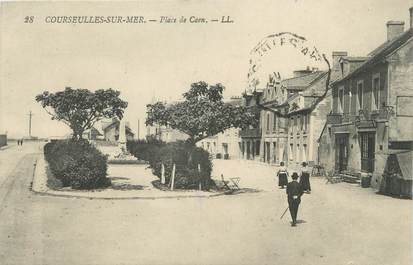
(186, 157)
(77, 164)
(219, 156)
(226, 156)
(144, 149)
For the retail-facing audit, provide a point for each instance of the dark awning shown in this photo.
(403, 158)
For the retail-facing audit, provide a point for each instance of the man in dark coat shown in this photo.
(294, 192)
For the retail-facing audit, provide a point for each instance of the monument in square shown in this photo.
(122, 136)
(121, 154)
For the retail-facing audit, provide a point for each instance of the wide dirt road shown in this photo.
(341, 224)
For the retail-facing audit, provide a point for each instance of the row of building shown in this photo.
(353, 126)
(350, 120)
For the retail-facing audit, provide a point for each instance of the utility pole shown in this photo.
(139, 125)
(30, 123)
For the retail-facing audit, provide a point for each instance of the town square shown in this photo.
(277, 132)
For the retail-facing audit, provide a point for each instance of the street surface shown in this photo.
(340, 224)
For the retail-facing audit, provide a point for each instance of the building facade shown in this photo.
(250, 138)
(372, 106)
(225, 145)
(165, 134)
(111, 131)
(293, 113)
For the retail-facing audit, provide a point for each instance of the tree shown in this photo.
(203, 113)
(80, 109)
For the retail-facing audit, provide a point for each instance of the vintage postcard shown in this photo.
(189, 132)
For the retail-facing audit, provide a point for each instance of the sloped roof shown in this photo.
(380, 53)
(300, 82)
(108, 123)
(115, 122)
(355, 58)
(317, 87)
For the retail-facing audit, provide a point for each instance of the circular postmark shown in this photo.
(285, 47)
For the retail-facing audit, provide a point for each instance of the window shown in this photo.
(302, 122)
(274, 148)
(297, 124)
(280, 125)
(360, 95)
(376, 91)
(291, 152)
(306, 121)
(305, 153)
(274, 124)
(298, 152)
(268, 121)
(340, 100)
(257, 148)
(225, 148)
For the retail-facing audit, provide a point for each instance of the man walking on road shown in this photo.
(294, 193)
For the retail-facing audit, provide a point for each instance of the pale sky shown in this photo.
(161, 60)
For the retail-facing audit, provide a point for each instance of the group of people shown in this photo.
(20, 142)
(295, 188)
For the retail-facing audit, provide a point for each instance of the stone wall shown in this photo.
(3, 140)
(319, 116)
(401, 96)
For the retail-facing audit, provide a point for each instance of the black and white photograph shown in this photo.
(189, 132)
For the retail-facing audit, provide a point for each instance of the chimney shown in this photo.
(411, 17)
(336, 58)
(394, 29)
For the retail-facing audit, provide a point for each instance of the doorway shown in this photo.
(341, 152)
(367, 146)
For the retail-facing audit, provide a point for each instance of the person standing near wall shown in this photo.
(305, 178)
(282, 176)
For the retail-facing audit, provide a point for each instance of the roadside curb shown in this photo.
(39, 187)
(4, 147)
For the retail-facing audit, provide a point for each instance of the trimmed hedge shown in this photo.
(77, 164)
(185, 156)
(144, 149)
